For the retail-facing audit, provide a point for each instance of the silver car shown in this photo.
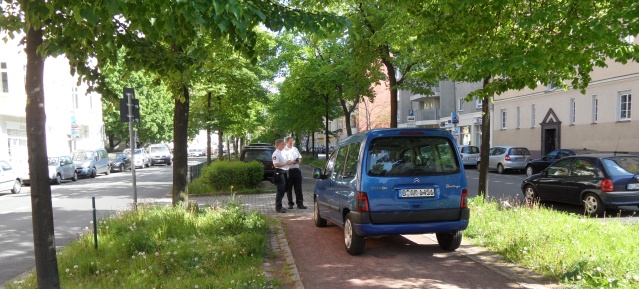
(469, 154)
(60, 168)
(503, 158)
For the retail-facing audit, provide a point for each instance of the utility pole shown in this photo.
(132, 112)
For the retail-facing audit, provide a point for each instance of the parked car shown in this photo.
(538, 165)
(262, 153)
(193, 152)
(91, 162)
(469, 154)
(60, 168)
(10, 179)
(159, 154)
(504, 158)
(141, 159)
(596, 181)
(120, 162)
(394, 181)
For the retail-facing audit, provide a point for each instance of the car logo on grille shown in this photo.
(416, 181)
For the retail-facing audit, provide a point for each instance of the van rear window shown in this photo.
(411, 156)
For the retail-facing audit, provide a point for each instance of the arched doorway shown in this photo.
(550, 132)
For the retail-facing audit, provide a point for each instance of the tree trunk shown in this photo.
(485, 144)
(41, 207)
(220, 144)
(208, 128)
(347, 117)
(228, 150)
(180, 164)
(392, 84)
(326, 126)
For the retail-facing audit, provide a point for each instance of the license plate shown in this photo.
(417, 193)
(633, 186)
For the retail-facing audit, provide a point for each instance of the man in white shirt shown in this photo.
(279, 162)
(294, 180)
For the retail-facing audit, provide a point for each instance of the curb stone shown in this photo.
(279, 245)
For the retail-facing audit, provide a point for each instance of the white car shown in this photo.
(9, 178)
(142, 159)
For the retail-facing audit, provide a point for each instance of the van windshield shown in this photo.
(411, 156)
(82, 155)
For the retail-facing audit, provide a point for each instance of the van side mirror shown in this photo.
(317, 173)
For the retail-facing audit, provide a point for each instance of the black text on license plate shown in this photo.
(417, 193)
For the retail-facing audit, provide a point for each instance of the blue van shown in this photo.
(394, 181)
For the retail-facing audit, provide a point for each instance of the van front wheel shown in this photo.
(354, 243)
(449, 241)
(319, 221)
(93, 172)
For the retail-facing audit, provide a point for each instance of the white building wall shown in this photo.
(60, 89)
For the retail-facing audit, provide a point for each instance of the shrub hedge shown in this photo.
(222, 175)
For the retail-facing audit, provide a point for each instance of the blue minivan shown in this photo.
(394, 181)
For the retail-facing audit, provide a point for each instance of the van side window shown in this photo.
(350, 169)
(340, 163)
(330, 164)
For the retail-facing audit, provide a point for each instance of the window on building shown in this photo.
(4, 77)
(478, 103)
(630, 39)
(503, 119)
(460, 104)
(595, 108)
(625, 101)
(573, 111)
(74, 98)
(518, 117)
(532, 116)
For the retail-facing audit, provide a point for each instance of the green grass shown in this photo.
(576, 250)
(166, 247)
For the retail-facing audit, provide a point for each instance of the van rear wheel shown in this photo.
(354, 243)
(449, 241)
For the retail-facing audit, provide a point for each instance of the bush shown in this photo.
(222, 175)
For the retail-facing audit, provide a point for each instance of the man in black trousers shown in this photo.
(294, 175)
(280, 162)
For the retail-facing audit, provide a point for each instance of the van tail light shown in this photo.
(464, 195)
(507, 157)
(362, 202)
(607, 185)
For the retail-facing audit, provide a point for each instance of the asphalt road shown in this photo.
(73, 211)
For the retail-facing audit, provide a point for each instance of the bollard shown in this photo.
(95, 226)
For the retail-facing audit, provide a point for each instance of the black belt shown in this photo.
(280, 170)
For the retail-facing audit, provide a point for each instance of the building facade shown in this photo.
(437, 110)
(73, 116)
(548, 118)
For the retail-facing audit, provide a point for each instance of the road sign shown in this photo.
(124, 108)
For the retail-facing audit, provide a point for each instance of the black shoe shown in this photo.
(281, 210)
(290, 206)
(301, 207)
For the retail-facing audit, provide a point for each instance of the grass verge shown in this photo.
(575, 250)
(167, 247)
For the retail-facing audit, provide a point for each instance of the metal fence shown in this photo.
(195, 171)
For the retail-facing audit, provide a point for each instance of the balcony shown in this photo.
(427, 114)
(436, 93)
